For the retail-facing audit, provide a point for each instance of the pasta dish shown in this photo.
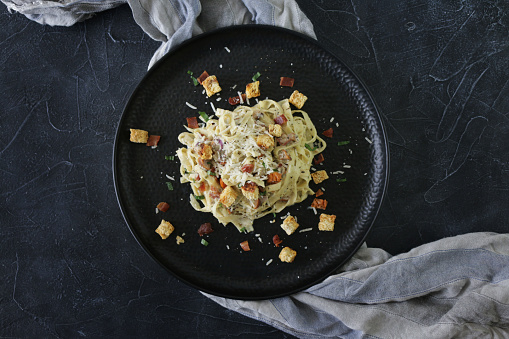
(249, 162)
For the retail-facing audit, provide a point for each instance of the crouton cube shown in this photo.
(253, 90)
(289, 225)
(228, 196)
(250, 190)
(180, 240)
(276, 130)
(165, 229)
(319, 176)
(326, 222)
(298, 99)
(287, 255)
(139, 136)
(206, 152)
(265, 141)
(211, 85)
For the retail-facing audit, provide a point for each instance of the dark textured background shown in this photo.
(69, 266)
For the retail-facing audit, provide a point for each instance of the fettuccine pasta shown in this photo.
(250, 161)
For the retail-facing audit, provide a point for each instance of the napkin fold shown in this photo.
(454, 287)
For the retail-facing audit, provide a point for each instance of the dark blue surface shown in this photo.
(69, 265)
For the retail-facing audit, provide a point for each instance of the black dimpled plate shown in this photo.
(158, 105)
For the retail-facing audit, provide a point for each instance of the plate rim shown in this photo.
(377, 115)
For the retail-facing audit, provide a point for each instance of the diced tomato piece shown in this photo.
(202, 77)
(287, 82)
(203, 187)
(328, 133)
(319, 203)
(221, 182)
(274, 178)
(318, 159)
(163, 206)
(192, 122)
(280, 120)
(236, 100)
(319, 193)
(276, 240)
(205, 228)
(153, 140)
(247, 168)
(245, 246)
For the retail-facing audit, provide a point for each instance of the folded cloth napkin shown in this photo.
(456, 287)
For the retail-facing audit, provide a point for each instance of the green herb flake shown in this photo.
(204, 242)
(204, 116)
(256, 76)
(169, 157)
(341, 180)
(211, 173)
(274, 214)
(169, 185)
(263, 193)
(310, 148)
(195, 82)
(243, 229)
(341, 143)
(275, 170)
(190, 72)
(199, 197)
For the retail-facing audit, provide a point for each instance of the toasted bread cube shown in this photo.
(253, 90)
(326, 222)
(265, 141)
(287, 255)
(250, 190)
(228, 196)
(206, 152)
(211, 85)
(276, 130)
(298, 99)
(139, 136)
(165, 229)
(180, 240)
(289, 225)
(319, 176)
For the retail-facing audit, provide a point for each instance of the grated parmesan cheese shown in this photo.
(347, 166)
(227, 49)
(367, 139)
(213, 107)
(305, 230)
(268, 262)
(190, 106)
(332, 119)
(240, 97)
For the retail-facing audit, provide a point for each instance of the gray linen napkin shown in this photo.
(455, 287)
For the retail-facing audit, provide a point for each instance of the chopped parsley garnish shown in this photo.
(211, 173)
(256, 76)
(195, 82)
(204, 116)
(274, 214)
(263, 163)
(169, 157)
(220, 205)
(169, 185)
(341, 143)
(341, 180)
(309, 147)
(275, 170)
(204, 242)
(199, 197)
(263, 193)
(189, 72)
(243, 229)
